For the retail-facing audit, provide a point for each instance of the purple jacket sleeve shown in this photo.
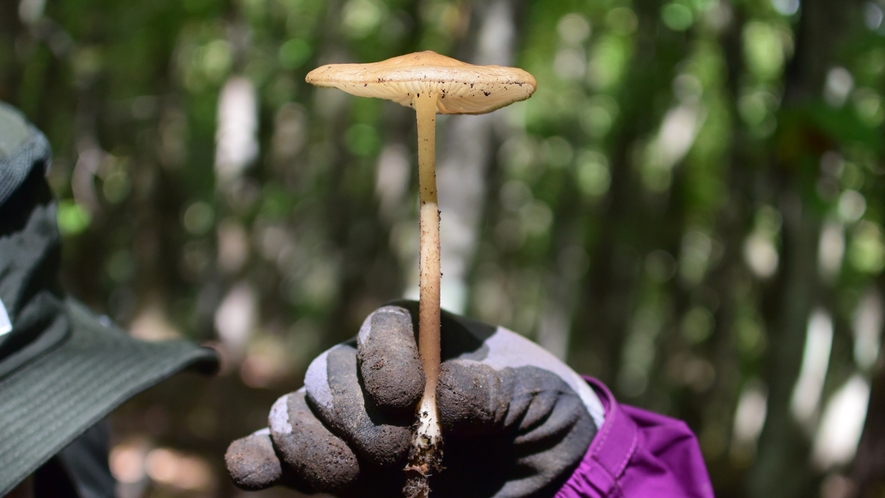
(639, 454)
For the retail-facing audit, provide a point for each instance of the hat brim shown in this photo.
(48, 403)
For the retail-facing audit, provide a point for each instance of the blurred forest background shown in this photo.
(689, 208)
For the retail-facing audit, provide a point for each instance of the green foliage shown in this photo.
(684, 171)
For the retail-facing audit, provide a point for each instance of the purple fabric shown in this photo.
(639, 454)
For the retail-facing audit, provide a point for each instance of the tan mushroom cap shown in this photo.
(461, 88)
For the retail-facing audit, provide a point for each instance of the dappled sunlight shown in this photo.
(749, 417)
(838, 86)
(177, 470)
(673, 141)
(841, 423)
(235, 319)
(867, 328)
(831, 250)
(807, 392)
(236, 143)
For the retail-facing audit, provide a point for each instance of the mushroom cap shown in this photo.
(460, 88)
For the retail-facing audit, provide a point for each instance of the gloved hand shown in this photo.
(516, 421)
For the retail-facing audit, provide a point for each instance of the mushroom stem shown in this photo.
(429, 266)
(426, 454)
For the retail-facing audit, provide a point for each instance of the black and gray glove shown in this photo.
(516, 421)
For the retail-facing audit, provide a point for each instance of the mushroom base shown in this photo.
(425, 458)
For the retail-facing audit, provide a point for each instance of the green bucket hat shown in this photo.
(62, 367)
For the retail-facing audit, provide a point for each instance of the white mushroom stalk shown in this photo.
(428, 434)
(430, 83)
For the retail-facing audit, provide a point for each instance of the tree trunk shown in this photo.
(868, 469)
(781, 469)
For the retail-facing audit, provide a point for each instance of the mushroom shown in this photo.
(430, 83)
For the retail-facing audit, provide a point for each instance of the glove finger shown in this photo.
(253, 464)
(334, 392)
(472, 398)
(389, 361)
(476, 399)
(313, 453)
(531, 422)
(502, 349)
